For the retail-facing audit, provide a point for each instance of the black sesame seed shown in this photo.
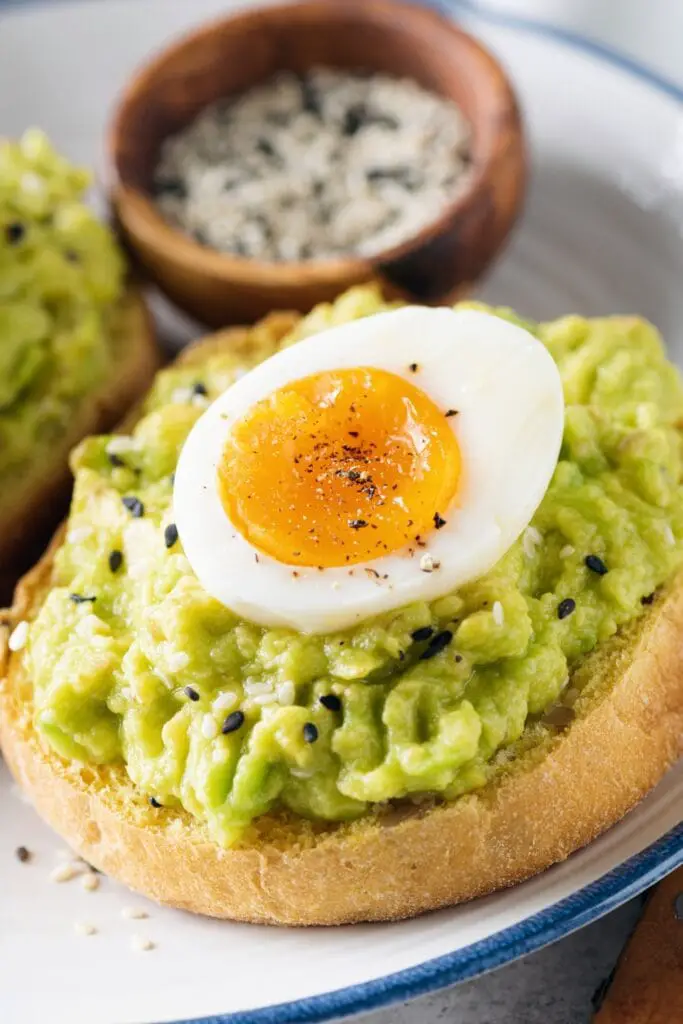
(648, 598)
(437, 644)
(154, 802)
(357, 524)
(566, 607)
(190, 692)
(14, 232)
(171, 187)
(331, 702)
(82, 598)
(115, 460)
(265, 146)
(198, 388)
(310, 100)
(170, 535)
(310, 732)
(595, 564)
(423, 633)
(438, 521)
(115, 560)
(354, 119)
(233, 722)
(22, 854)
(134, 506)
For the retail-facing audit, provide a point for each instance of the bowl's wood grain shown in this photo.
(229, 56)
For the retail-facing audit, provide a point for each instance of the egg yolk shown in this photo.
(340, 467)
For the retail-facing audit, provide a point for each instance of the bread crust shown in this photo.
(42, 498)
(562, 788)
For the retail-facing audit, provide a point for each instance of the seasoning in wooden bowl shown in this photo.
(329, 164)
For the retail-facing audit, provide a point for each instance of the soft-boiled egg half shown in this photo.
(384, 461)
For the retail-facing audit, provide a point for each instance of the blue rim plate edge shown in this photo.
(580, 908)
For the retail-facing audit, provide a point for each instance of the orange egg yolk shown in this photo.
(339, 468)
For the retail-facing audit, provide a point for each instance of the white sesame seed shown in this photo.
(181, 396)
(224, 701)
(79, 534)
(141, 944)
(263, 699)
(64, 872)
(428, 563)
(335, 584)
(286, 692)
(134, 913)
(498, 613)
(257, 689)
(567, 551)
(669, 535)
(85, 928)
(19, 636)
(209, 727)
(177, 661)
(121, 444)
(530, 540)
(90, 881)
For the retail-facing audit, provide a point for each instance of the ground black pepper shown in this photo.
(22, 854)
(438, 521)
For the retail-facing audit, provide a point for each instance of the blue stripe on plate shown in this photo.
(577, 910)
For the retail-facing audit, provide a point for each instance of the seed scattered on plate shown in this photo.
(315, 167)
(90, 881)
(134, 913)
(65, 872)
(141, 944)
(85, 928)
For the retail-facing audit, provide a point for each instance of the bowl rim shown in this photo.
(156, 232)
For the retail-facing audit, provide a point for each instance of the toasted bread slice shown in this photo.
(573, 774)
(38, 501)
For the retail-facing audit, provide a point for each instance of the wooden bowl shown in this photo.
(233, 54)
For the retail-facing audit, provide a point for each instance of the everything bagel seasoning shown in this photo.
(315, 167)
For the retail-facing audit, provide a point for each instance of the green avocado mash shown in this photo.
(132, 659)
(60, 274)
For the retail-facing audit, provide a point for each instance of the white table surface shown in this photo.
(555, 985)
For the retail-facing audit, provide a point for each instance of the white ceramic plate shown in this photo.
(601, 234)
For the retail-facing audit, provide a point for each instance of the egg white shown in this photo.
(508, 396)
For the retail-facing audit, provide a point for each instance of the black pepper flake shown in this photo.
(115, 460)
(413, 367)
(566, 607)
(170, 535)
(310, 732)
(458, 658)
(154, 802)
(14, 232)
(438, 521)
(71, 256)
(331, 702)
(265, 146)
(423, 633)
(353, 433)
(233, 722)
(199, 389)
(648, 598)
(437, 644)
(115, 560)
(170, 187)
(595, 564)
(134, 506)
(451, 412)
(190, 692)
(357, 524)
(22, 854)
(354, 119)
(82, 598)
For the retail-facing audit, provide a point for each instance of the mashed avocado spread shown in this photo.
(60, 274)
(132, 660)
